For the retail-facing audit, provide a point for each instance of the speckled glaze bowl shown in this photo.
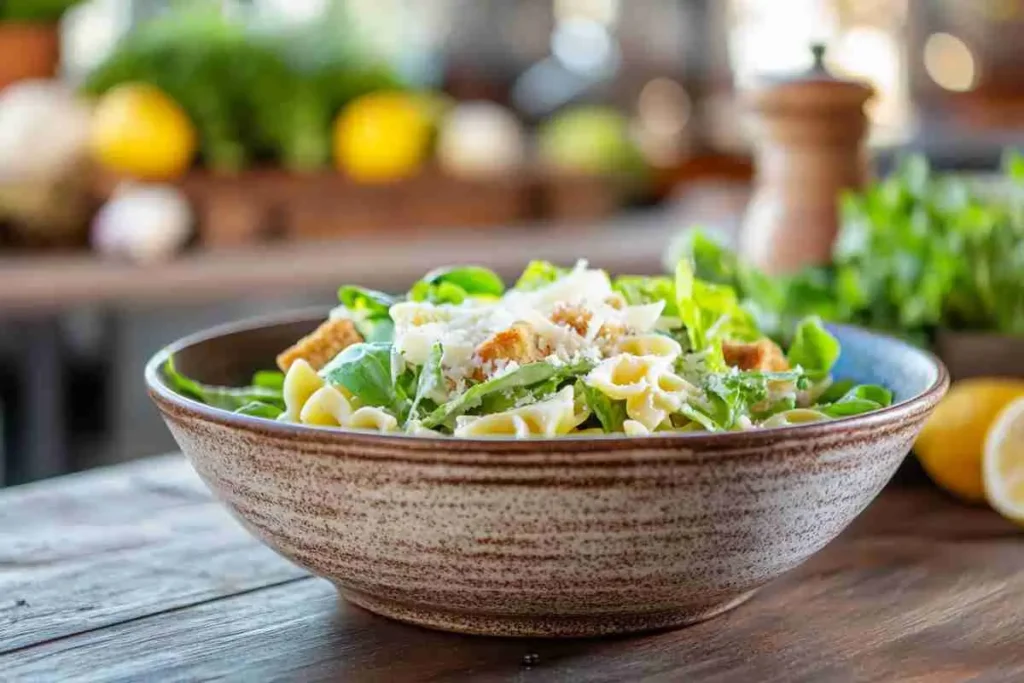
(568, 537)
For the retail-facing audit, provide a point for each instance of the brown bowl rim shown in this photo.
(166, 398)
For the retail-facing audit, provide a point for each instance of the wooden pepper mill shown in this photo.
(809, 146)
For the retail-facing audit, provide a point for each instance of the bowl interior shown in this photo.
(869, 358)
(229, 355)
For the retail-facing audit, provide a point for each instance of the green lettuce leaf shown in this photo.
(711, 313)
(226, 398)
(268, 379)
(859, 399)
(814, 348)
(369, 311)
(453, 285)
(260, 409)
(539, 274)
(638, 289)
(365, 370)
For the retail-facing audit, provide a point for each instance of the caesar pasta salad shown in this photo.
(565, 351)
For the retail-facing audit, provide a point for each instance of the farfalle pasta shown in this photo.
(555, 416)
(565, 352)
(651, 391)
(309, 400)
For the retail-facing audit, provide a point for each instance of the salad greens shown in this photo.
(457, 355)
(265, 390)
(917, 252)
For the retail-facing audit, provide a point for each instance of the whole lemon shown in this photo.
(383, 136)
(952, 443)
(137, 130)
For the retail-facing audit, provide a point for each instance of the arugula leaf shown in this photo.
(814, 348)
(539, 274)
(694, 414)
(540, 376)
(260, 409)
(431, 385)
(610, 413)
(364, 369)
(226, 398)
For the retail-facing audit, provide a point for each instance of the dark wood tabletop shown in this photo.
(134, 573)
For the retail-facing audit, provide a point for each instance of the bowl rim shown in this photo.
(164, 396)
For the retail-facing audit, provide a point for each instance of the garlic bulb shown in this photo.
(480, 139)
(144, 223)
(44, 131)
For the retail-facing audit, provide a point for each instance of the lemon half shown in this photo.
(1004, 463)
(952, 443)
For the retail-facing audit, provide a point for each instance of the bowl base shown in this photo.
(553, 626)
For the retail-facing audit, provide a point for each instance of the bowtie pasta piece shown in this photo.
(554, 416)
(300, 382)
(794, 417)
(371, 418)
(651, 345)
(651, 390)
(634, 428)
(326, 407)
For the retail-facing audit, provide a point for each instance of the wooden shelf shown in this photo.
(46, 283)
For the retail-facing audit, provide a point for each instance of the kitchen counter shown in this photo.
(134, 572)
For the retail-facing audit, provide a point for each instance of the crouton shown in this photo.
(518, 343)
(321, 345)
(578, 318)
(764, 355)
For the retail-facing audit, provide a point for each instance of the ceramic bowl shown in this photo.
(569, 537)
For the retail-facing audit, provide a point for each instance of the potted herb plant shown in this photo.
(935, 258)
(29, 38)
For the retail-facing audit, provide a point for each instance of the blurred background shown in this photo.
(165, 166)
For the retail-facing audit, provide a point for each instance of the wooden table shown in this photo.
(133, 573)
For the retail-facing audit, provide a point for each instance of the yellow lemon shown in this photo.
(139, 131)
(1003, 467)
(952, 442)
(383, 136)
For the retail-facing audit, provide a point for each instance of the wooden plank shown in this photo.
(921, 588)
(387, 260)
(95, 549)
(383, 259)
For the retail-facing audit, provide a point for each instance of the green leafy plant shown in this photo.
(917, 252)
(252, 95)
(35, 11)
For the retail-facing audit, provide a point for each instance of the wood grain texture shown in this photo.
(385, 259)
(95, 549)
(918, 589)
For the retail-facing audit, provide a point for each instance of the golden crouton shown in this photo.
(320, 345)
(578, 318)
(764, 355)
(518, 343)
